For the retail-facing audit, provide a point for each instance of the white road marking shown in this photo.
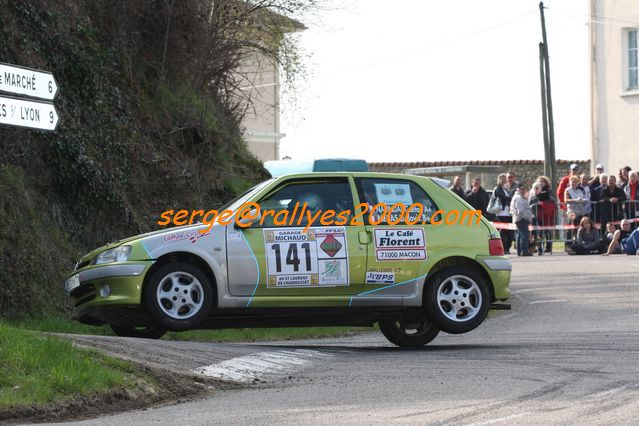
(547, 301)
(245, 369)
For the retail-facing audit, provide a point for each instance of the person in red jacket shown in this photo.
(563, 184)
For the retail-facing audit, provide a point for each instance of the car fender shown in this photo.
(210, 247)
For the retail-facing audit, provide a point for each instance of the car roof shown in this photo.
(319, 175)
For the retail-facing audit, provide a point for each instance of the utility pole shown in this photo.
(544, 110)
(550, 162)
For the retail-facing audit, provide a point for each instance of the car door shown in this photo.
(299, 262)
(399, 238)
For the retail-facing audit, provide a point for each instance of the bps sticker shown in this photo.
(373, 277)
(400, 244)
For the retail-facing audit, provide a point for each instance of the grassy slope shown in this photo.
(37, 369)
(131, 142)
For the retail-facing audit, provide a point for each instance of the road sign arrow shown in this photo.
(26, 113)
(28, 82)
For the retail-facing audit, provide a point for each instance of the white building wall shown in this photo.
(615, 109)
(259, 78)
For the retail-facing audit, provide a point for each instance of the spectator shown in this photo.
(632, 195)
(546, 190)
(575, 204)
(620, 236)
(564, 182)
(505, 198)
(612, 198)
(630, 244)
(477, 196)
(623, 177)
(533, 200)
(595, 182)
(522, 216)
(587, 194)
(595, 196)
(545, 211)
(512, 183)
(457, 187)
(610, 234)
(587, 238)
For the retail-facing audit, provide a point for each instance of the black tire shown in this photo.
(409, 333)
(178, 296)
(460, 312)
(150, 332)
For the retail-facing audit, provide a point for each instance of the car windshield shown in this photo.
(236, 202)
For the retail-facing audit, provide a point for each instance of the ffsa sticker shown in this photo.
(400, 244)
(317, 257)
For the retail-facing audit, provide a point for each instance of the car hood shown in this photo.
(166, 231)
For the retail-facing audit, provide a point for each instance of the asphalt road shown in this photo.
(568, 353)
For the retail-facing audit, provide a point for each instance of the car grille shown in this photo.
(83, 294)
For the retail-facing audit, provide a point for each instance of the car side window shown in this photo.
(395, 201)
(291, 204)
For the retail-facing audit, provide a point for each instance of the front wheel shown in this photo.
(149, 332)
(178, 296)
(457, 299)
(410, 333)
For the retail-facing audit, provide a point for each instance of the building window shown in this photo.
(633, 68)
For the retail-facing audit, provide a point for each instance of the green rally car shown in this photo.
(409, 267)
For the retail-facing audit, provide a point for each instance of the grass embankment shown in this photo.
(37, 369)
(61, 325)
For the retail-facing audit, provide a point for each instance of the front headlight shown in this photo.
(118, 254)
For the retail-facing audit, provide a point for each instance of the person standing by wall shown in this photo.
(477, 196)
(522, 216)
(564, 182)
(595, 182)
(458, 188)
(546, 211)
(624, 177)
(632, 196)
(504, 216)
(613, 198)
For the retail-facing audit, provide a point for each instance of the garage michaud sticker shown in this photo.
(400, 244)
(298, 258)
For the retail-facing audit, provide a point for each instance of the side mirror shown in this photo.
(256, 217)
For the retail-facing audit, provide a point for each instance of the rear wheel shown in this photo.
(411, 333)
(178, 296)
(457, 299)
(149, 332)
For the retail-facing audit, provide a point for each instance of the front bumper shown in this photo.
(113, 285)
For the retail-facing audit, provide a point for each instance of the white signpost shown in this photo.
(31, 113)
(27, 82)
(26, 113)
